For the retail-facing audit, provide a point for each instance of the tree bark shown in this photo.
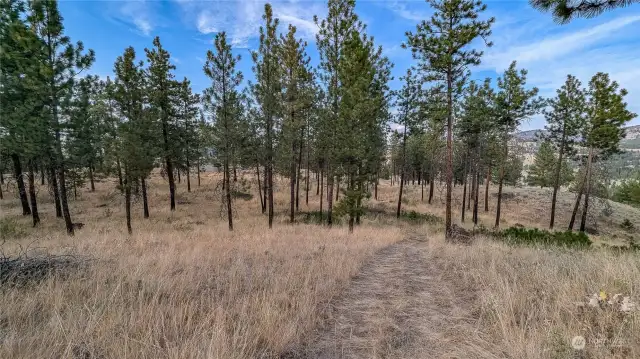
(178, 174)
(198, 164)
(583, 222)
(556, 185)
(127, 202)
(486, 189)
(188, 176)
(228, 192)
(32, 195)
(402, 170)
(264, 191)
(119, 167)
(449, 176)
(42, 171)
(259, 187)
(53, 182)
(476, 194)
(464, 192)
(145, 203)
(329, 196)
(576, 206)
(337, 188)
(169, 164)
(431, 184)
(321, 187)
(17, 173)
(501, 182)
(292, 185)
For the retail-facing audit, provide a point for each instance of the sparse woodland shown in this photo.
(220, 224)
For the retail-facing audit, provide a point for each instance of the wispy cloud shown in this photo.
(402, 9)
(581, 50)
(242, 19)
(137, 13)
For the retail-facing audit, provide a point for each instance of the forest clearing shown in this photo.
(391, 179)
(183, 286)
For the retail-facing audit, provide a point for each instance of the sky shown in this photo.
(609, 43)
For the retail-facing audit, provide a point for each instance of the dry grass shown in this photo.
(527, 302)
(184, 287)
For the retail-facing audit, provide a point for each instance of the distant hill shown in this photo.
(631, 140)
(531, 135)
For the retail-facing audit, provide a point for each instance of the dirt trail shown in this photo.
(397, 307)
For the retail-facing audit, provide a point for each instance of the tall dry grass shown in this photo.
(531, 303)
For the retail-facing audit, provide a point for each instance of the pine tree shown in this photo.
(565, 119)
(441, 46)
(606, 116)
(162, 88)
(340, 24)
(296, 84)
(541, 172)
(187, 127)
(513, 104)
(564, 11)
(136, 133)
(407, 99)
(222, 102)
(60, 64)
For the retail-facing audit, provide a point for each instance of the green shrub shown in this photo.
(314, 217)
(627, 225)
(10, 229)
(413, 216)
(241, 195)
(531, 236)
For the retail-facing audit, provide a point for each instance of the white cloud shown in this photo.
(401, 9)
(139, 14)
(242, 19)
(550, 52)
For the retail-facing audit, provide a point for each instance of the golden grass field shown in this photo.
(183, 286)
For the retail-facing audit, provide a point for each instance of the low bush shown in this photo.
(413, 216)
(521, 235)
(10, 229)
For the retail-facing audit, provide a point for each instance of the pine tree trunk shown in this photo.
(119, 167)
(224, 178)
(145, 202)
(32, 195)
(1, 178)
(464, 193)
(53, 182)
(235, 174)
(75, 190)
(402, 170)
(178, 173)
(17, 174)
(42, 171)
(298, 175)
(307, 182)
(127, 202)
(198, 164)
(449, 177)
(476, 194)
(585, 210)
(329, 196)
(270, 194)
(188, 176)
(422, 191)
(292, 185)
(93, 186)
(228, 192)
(375, 187)
(264, 191)
(337, 188)
(486, 189)
(259, 187)
(431, 184)
(321, 187)
(501, 182)
(472, 186)
(556, 183)
(169, 165)
(318, 175)
(350, 187)
(1, 183)
(576, 206)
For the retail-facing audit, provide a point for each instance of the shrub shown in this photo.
(413, 216)
(520, 235)
(314, 217)
(627, 225)
(10, 229)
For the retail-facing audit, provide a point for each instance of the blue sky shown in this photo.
(609, 43)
